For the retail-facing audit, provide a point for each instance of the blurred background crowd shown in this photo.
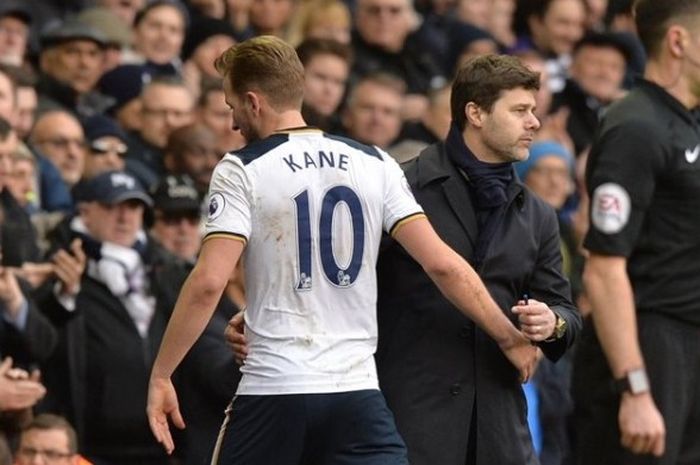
(112, 118)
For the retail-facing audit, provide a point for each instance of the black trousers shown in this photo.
(671, 351)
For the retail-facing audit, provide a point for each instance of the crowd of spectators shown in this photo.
(112, 118)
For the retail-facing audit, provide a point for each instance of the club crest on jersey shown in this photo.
(216, 205)
(611, 208)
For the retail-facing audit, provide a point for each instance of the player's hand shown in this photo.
(162, 403)
(537, 320)
(642, 427)
(524, 356)
(236, 339)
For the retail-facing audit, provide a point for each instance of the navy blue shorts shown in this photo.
(347, 428)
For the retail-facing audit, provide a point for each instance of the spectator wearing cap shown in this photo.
(15, 21)
(597, 74)
(159, 32)
(109, 335)
(192, 151)
(548, 172)
(106, 146)
(71, 63)
(177, 216)
(118, 34)
(207, 39)
(124, 85)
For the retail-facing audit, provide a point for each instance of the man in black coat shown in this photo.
(109, 333)
(455, 396)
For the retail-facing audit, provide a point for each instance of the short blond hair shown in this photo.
(266, 64)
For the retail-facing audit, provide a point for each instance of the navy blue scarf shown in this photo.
(487, 180)
(488, 183)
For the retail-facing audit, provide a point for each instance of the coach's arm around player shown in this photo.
(458, 281)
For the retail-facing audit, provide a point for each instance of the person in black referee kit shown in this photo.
(643, 273)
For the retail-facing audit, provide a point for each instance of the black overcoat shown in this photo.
(435, 367)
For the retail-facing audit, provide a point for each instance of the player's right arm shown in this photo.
(228, 228)
(197, 301)
(458, 281)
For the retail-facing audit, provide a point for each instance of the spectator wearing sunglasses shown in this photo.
(177, 216)
(106, 146)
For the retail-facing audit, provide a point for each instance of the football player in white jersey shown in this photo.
(308, 210)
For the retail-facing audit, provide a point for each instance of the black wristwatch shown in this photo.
(635, 382)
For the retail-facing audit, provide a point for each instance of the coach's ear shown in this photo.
(474, 114)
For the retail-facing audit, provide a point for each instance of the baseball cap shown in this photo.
(606, 39)
(114, 29)
(98, 126)
(113, 187)
(16, 10)
(176, 193)
(542, 149)
(124, 83)
(71, 29)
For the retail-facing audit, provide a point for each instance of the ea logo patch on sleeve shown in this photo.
(611, 208)
(216, 205)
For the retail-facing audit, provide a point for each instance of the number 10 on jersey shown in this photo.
(341, 277)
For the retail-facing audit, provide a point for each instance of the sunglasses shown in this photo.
(100, 147)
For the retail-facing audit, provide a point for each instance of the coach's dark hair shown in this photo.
(654, 17)
(482, 79)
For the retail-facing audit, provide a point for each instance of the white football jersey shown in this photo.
(311, 208)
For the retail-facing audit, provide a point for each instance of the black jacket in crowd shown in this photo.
(98, 375)
(435, 367)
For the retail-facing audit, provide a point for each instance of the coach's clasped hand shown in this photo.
(537, 320)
